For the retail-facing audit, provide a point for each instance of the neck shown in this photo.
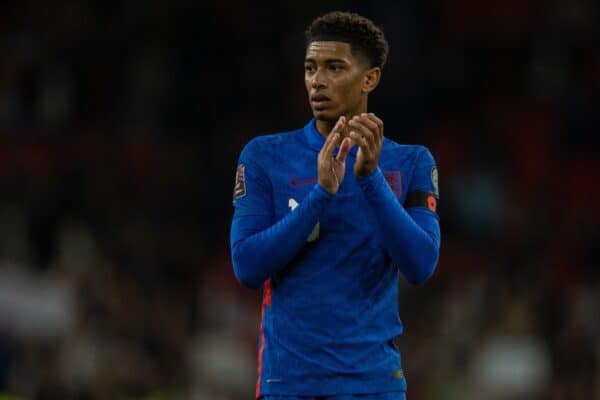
(324, 127)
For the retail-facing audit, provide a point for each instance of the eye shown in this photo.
(335, 67)
(309, 68)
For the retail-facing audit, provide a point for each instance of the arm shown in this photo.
(261, 247)
(411, 236)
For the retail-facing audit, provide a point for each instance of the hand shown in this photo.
(332, 170)
(367, 131)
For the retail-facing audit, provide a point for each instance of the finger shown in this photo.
(335, 143)
(344, 150)
(367, 134)
(331, 135)
(378, 121)
(359, 126)
(335, 135)
(330, 144)
(373, 127)
(339, 125)
(361, 141)
(367, 120)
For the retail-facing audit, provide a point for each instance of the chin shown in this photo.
(326, 115)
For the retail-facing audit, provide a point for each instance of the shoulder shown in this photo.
(412, 153)
(263, 145)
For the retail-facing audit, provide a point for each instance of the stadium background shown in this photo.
(120, 127)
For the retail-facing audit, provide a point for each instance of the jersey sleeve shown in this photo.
(411, 235)
(252, 193)
(423, 190)
(422, 199)
(261, 246)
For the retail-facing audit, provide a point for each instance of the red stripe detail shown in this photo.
(266, 303)
(267, 293)
(260, 356)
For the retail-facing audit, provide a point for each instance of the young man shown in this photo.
(326, 217)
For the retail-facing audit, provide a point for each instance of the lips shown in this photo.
(319, 101)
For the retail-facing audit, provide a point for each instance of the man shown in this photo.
(326, 217)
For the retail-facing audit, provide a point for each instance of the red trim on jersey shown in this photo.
(266, 303)
(260, 356)
(267, 293)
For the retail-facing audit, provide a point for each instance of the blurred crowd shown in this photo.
(120, 128)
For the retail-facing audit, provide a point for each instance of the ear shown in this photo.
(371, 79)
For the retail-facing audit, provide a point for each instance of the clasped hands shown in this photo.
(365, 131)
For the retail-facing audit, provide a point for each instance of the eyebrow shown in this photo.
(327, 61)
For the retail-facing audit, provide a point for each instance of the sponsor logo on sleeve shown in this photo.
(240, 183)
(295, 182)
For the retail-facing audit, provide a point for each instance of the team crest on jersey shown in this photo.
(240, 183)
(394, 179)
(434, 181)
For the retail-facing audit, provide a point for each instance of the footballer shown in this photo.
(326, 219)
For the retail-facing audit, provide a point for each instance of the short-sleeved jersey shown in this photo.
(330, 315)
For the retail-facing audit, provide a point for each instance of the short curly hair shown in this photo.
(361, 33)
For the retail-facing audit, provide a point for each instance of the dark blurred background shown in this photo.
(120, 128)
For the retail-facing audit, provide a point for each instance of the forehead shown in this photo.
(328, 49)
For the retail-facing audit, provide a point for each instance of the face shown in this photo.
(335, 80)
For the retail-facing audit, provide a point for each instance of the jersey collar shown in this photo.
(316, 140)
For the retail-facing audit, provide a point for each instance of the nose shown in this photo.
(317, 81)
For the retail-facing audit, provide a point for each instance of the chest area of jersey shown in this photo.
(293, 181)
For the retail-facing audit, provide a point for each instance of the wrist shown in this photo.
(324, 191)
(365, 170)
(362, 175)
(370, 183)
(367, 174)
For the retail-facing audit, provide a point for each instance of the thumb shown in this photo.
(344, 150)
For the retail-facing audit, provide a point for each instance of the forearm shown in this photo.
(259, 253)
(413, 247)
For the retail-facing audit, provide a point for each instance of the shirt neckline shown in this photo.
(316, 140)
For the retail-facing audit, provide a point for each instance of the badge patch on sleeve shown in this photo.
(240, 183)
(434, 181)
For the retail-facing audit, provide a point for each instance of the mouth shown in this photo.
(319, 101)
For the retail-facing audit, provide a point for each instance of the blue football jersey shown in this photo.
(329, 264)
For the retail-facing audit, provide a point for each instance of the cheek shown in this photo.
(352, 90)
